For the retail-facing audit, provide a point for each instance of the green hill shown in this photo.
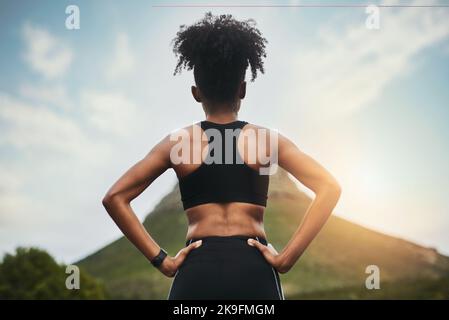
(333, 267)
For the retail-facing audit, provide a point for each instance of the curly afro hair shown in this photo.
(219, 50)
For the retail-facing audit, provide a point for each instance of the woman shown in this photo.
(224, 192)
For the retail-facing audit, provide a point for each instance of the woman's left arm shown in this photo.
(327, 192)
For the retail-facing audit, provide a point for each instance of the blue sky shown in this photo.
(79, 107)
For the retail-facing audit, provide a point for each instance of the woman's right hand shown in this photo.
(171, 264)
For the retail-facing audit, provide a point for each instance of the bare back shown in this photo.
(222, 218)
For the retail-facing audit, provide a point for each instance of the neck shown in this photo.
(224, 117)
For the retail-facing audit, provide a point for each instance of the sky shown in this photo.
(78, 107)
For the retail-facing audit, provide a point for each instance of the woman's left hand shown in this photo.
(271, 255)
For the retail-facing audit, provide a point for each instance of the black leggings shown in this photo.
(226, 267)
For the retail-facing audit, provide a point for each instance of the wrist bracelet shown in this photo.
(157, 260)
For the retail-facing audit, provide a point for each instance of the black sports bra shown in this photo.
(232, 180)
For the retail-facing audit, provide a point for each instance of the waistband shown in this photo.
(227, 238)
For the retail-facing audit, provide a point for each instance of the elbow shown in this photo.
(109, 199)
(332, 188)
(336, 187)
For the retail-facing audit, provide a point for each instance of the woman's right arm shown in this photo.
(132, 183)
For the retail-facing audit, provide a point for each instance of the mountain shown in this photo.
(332, 267)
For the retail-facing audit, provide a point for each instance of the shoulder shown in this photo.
(259, 132)
(181, 141)
(270, 139)
(185, 133)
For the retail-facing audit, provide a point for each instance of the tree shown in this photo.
(31, 273)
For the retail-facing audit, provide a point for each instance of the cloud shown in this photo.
(39, 128)
(110, 112)
(11, 199)
(347, 69)
(48, 123)
(45, 54)
(123, 61)
(294, 2)
(54, 95)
